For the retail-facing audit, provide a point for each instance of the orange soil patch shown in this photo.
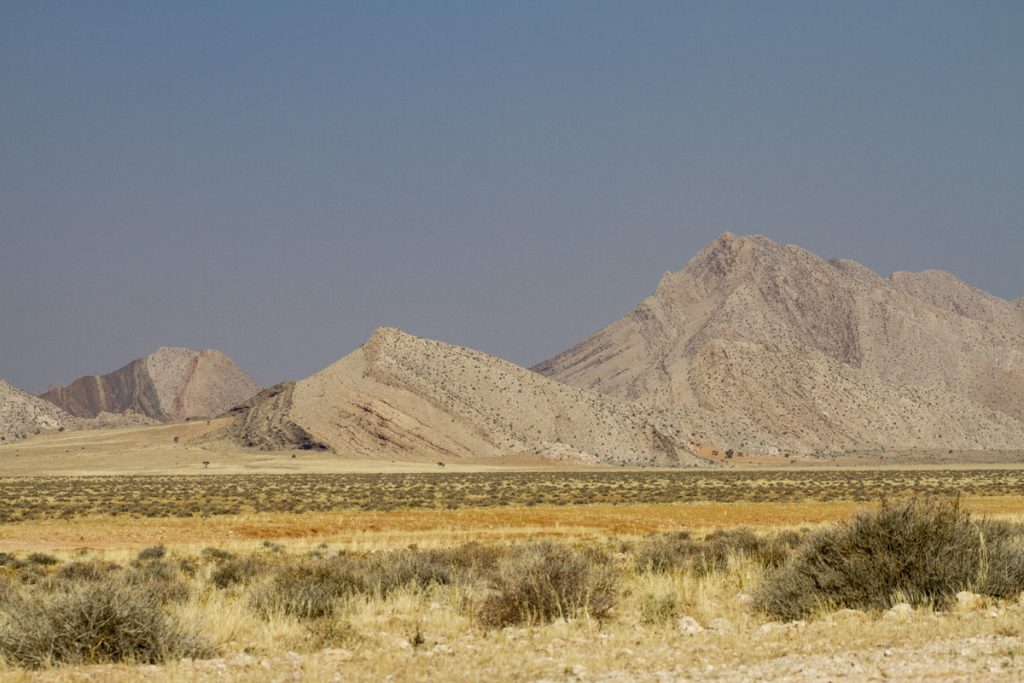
(401, 527)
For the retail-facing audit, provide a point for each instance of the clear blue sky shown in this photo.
(278, 179)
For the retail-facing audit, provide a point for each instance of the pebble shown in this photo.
(688, 625)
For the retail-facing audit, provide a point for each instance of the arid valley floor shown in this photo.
(217, 529)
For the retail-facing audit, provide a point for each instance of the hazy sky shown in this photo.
(278, 179)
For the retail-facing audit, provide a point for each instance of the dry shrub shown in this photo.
(216, 554)
(471, 560)
(543, 581)
(162, 578)
(308, 588)
(921, 550)
(329, 632)
(155, 552)
(657, 609)
(90, 570)
(87, 622)
(235, 570)
(42, 559)
(680, 552)
(664, 552)
(311, 587)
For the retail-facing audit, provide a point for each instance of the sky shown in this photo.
(278, 179)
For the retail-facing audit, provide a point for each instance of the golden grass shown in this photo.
(430, 635)
(396, 528)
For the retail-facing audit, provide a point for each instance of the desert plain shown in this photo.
(219, 528)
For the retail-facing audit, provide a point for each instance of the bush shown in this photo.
(239, 570)
(679, 551)
(383, 573)
(216, 554)
(308, 589)
(42, 559)
(92, 622)
(155, 552)
(93, 570)
(657, 609)
(664, 553)
(542, 581)
(923, 551)
(161, 578)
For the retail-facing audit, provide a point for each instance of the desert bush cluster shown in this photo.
(28, 498)
(91, 612)
(86, 609)
(922, 551)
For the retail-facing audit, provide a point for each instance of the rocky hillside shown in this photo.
(811, 354)
(169, 385)
(400, 396)
(22, 414)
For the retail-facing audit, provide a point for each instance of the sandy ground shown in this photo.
(153, 450)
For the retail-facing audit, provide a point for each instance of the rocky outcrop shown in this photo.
(22, 414)
(815, 355)
(169, 385)
(400, 396)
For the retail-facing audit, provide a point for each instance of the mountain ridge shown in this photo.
(402, 396)
(170, 384)
(911, 337)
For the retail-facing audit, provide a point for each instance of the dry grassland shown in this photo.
(681, 623)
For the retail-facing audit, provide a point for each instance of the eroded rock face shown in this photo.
(402, 396)
(169, 385)
(22, 414)
(786, 348)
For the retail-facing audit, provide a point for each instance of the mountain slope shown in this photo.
(814, 354)
(402, 396)
(22, 414)
(168, 385)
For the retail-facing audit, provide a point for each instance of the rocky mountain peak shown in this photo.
(170, 384)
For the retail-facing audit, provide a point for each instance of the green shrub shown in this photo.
(543, 581)
(92, 622)
(923, 551)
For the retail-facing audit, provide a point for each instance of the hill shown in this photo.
(22, 414)
(812, 355)
(400, 396)
(170, 384)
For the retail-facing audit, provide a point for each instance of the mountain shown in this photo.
(399, 396)
(810, 354)
(168, 385)
(22, 414)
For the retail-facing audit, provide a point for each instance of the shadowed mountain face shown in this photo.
(168, 385)
(811, 354)
(400, 396)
